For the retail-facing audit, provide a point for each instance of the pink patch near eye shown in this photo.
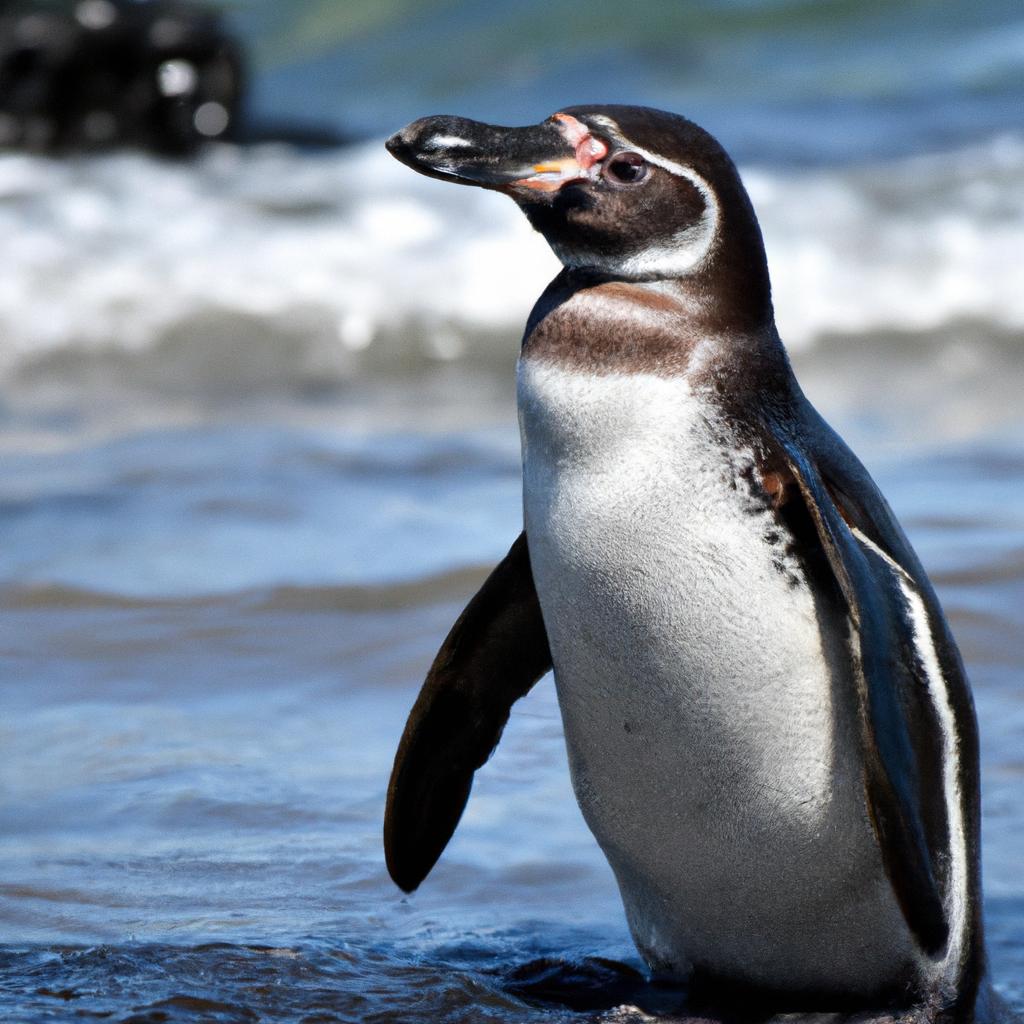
(589, 150)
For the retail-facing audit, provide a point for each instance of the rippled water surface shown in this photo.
(212, 634)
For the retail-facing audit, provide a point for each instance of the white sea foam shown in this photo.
(911, 245)
(350, 252)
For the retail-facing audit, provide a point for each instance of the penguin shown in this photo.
(769, 727)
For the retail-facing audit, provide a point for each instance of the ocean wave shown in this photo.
(448, 585)
(317, 265)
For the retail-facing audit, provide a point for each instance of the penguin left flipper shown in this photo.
(887, 609)
(496, 651)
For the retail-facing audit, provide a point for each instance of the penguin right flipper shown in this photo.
(496, 651)
(897, 713)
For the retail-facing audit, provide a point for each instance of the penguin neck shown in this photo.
(724, 298)
(600, 323)
(730, 290)
(728, 294)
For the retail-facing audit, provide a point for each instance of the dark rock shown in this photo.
(162, 75)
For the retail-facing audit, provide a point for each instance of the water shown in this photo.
(258, 448)
(795, 80)
(204, 694)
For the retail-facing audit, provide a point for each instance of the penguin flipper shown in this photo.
(895, 708)
(496, 651)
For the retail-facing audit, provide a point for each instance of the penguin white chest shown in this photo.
(696, 681)
(666, 576)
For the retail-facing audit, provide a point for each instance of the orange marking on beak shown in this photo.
(552, 184)
(552, 175)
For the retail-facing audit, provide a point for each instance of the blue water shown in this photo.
(786, 80)
(258, 446)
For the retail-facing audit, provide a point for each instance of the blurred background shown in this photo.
(258, 447)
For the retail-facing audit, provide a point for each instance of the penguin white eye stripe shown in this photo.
(689, 248)
(607, 122)
(707, 194)
(671, 166)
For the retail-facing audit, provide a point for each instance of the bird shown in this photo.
(769, 727)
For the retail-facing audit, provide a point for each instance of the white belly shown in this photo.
(712, 746)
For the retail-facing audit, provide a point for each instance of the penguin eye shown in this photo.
(626, 168)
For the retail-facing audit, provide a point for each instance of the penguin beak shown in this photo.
(539, 158)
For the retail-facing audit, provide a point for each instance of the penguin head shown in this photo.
(627, 192)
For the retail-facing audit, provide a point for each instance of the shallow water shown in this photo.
(212, 633)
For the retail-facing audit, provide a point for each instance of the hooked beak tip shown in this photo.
(403, 146)
(395, 144)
